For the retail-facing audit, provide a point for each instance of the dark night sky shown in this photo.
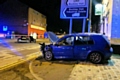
(51, 8)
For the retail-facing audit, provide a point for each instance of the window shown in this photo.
(67, 41)
(83, 40)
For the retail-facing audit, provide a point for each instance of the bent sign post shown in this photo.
(74, 9)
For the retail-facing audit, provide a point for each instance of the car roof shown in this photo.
(83, 34)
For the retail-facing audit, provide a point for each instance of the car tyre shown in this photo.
(95, 57)
(48, 55)
(28, 41)
(18, 41)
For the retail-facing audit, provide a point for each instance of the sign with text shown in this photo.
(74, 9)
(99, 9)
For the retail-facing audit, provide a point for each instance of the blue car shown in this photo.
(79, 46)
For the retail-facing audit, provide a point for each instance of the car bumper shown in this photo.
(108, 54)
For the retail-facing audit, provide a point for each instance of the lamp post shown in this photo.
(90, 10)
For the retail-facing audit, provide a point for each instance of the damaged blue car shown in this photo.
(93, 47)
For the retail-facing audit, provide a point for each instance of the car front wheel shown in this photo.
(48, 55)
(95, 57)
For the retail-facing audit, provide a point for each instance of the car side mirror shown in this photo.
(57, 44)
(42, 44)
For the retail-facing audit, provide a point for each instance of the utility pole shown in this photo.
(90, 11)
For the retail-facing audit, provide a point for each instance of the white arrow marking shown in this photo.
(64, 12)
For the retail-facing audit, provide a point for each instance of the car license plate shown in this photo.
(23, 38)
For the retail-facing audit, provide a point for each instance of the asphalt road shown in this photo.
(16, 55)
(13, 53)
(19, 49)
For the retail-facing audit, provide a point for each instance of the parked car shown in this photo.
(28, 39)
(80, 46)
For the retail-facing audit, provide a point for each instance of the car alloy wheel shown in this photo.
(95, 57)
(48, 55)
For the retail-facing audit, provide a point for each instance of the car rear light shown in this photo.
(107, 47)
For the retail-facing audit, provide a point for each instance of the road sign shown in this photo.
(99, 9)
(74, 9)
(75, 12)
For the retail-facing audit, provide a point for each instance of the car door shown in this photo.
(64, 48)
(82, 47)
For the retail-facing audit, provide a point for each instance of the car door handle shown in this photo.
(83, 48)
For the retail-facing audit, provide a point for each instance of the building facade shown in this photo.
(36, 22)
(18, 17)
(111, 18)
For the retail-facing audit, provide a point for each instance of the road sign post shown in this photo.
(70, 26)
(74, 9)
(84, 24)
(89, 22)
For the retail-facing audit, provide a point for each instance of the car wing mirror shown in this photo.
(57, 44)
(41, 43)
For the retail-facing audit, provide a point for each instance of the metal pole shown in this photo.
(103, 21)
(90, 10)
(84, 24)
(103, 25)
(70, 27)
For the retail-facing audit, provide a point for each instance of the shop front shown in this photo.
(36, 29)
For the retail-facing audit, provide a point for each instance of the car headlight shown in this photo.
(46, 48)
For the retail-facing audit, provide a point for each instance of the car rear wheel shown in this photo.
(95, 57)
(28, 41)
(18, 41)
(48, 55)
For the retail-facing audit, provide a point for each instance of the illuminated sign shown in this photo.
(5, 28)
(37, 27)
(74, 9)
(98, 9)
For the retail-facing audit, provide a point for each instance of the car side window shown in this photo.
(83, 40)
(67, 41)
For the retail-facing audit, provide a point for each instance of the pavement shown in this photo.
(89, 71)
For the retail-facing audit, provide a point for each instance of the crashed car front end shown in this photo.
(44, 48)
(48, 48)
